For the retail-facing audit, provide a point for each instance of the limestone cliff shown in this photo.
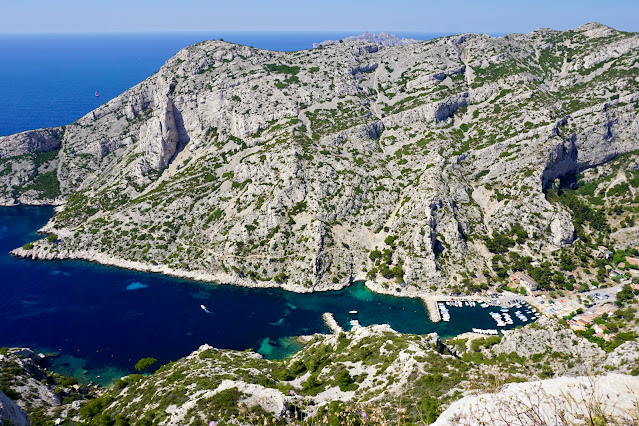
(294, 169)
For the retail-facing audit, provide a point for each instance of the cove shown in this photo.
(99, 321)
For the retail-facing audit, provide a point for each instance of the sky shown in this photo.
(457, 16)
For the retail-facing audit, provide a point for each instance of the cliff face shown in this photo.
(289, 168)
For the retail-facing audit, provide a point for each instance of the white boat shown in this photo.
(352, 312)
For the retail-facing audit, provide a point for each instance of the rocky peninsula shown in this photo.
(409, 165)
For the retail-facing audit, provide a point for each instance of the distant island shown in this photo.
(383, 39)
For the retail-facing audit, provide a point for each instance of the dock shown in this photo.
(329, 319)
(433, 310)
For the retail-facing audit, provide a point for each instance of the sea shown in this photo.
(95, 322)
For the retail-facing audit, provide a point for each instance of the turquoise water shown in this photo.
(100, 320)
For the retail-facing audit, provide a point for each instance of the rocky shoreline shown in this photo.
(212, 278)
(428, 298)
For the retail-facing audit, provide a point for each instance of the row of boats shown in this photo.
(502, 322)
(443, 311)
(488, 332)
(502, 318)
(461, 303)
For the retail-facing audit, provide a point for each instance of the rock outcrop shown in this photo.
(41, 140)
(383, 39)
(10, 413)
(609, 399)
(547, 336)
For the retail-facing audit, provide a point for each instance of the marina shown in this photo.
(503, 318)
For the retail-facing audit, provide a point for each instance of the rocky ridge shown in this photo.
(294, 169)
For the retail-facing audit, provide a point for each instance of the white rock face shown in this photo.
(11, 413)
(40, 140)
(564, 400)
(159, 138)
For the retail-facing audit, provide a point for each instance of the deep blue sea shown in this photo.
(98, 320)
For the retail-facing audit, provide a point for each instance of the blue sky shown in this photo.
(491, 16)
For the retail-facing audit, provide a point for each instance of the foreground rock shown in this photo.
(567, 400)
(10, 413)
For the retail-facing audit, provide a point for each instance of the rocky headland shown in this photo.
(311, 169)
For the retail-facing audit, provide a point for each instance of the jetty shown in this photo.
(433, 309)
(329, 319)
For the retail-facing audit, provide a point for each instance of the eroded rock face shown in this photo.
(289, 168)
(159, 138)
(40, 140)
(11, 413)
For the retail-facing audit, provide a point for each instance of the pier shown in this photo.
(433, 310)
(329, 319)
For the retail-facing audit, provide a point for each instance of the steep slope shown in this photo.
(393, 378)
(27, 388)
(309, 169)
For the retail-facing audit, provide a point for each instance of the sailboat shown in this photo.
(96, 94)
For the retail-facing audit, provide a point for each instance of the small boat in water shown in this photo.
(96, 94)
(352, 312)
